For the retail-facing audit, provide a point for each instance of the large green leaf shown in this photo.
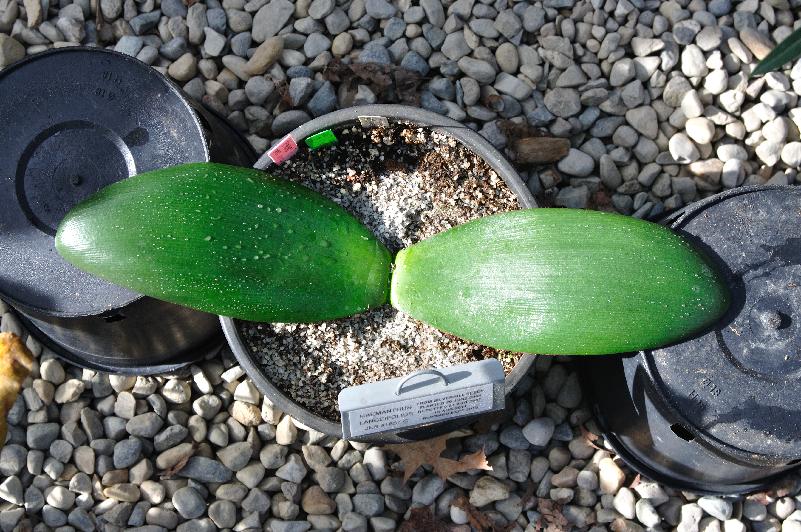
(787, 50)
(231, 241)
(559, 281)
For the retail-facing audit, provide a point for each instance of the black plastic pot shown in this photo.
(719, 413)
(352, 116)
(75, 120)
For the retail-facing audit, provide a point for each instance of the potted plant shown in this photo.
(489, 184)
(267, 248)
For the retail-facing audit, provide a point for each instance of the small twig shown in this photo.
(99, 18)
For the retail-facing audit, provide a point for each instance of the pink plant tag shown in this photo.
(285, 149)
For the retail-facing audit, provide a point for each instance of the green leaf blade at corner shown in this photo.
(786, 51)
(230, 241)
(560, 281)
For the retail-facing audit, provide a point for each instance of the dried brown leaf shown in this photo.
(15, 365)
(636, 481)
(477, 519)
(476, 460)
(591, 438)
(422, 520)
(551, 517)
(406, 84)
(415, 454)
(446, 468)
(372, 72)
(427, 452)
(518, 130)
(396, 84)
(282, 88)
(335, 70)
(492, 101)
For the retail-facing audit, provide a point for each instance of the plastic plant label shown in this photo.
(321, 139)
(373, 121)
(284, 150)
(422, 398)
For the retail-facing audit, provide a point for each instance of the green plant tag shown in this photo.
(321, 139)
(559, 281)
(230, 241)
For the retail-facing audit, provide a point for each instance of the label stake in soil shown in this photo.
(321, 139)
(422, 398)
(284, 150)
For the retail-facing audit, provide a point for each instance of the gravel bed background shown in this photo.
(657, 102)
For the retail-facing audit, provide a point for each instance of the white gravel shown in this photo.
(660, 109)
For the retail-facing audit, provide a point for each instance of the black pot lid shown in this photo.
(739, 384)
(73, 121)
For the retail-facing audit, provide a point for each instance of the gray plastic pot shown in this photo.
(394, 113)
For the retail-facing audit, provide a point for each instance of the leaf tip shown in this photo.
(69, 238)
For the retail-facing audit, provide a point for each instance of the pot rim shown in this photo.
(463, 134)
(460, 132)
(156, 366)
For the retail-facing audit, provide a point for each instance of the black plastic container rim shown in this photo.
(676, 219)
(463, 134)
(714, 445)
(133, 62)
(194, 108)
(678, 215)
(246, 145)
(640, 467)
(714, 489)
(213, 346)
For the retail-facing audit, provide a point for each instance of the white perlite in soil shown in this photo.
(405, 184)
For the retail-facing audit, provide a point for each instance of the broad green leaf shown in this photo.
(787, 50)
(559, 281)
(231, 241)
